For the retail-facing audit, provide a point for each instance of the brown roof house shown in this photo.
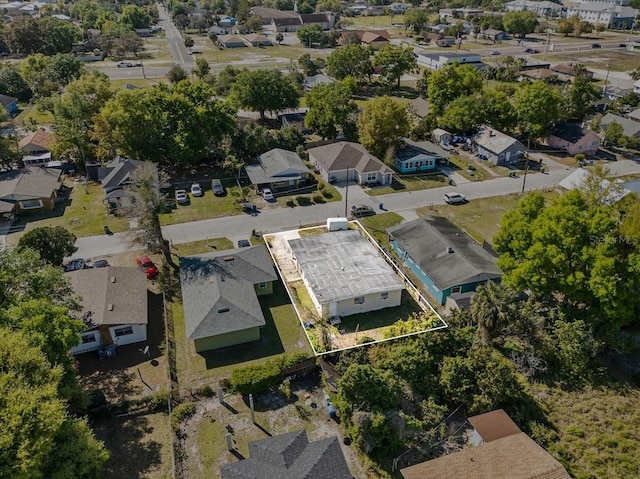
(32, 188)
(231, 41)
(257, 40)
(573, 138)
(512, 457)
(376, 39)
(220, 296)
(290, 456)
(36, 147)
(345, 160)
(569, 71)
(491, 426)
(114, 306)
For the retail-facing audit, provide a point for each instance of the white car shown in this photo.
(196, 190)
(267, 194)
(181, 197)
(454, 198)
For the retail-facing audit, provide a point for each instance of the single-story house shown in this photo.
(435, 61)
(231, 41)
(573, 138)
(294, 120)
(446, 260)
(290, 455)
(143, 32)
(116, 174)
(495, 35)
(256, 40)
(10, 104)
(290, 24)
(634, 115)
(319, 79)
(344, 274)
(220, 296)
(114, 305)
(500, 149)
(373, 38)
(32, 188)
(226, 21)
(543, 74)
(398, 8)
(491, 426)
(415, 156)
(419, 107)
(569, 71)
(629, 127)
(512, 457)
(218, 30)
(440, 136)
(611, 192)
(36, 147)
(439, 40)
(346, 161)
(279, 170)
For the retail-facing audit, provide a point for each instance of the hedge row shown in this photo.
(260, 377)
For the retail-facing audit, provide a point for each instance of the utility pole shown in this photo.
(346, 195)
(526, 166)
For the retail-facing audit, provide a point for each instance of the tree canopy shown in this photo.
(450, 82)
(264, 91)
(53, 243)
(393, 62)
(382, 124)
(537, 107)
(330, 106)
(520, 23)
(349, 60)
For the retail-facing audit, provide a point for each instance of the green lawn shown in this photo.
(282, 333)
(475, 173)
(203, 246)
(479, 217)
(330, 195)
(383, 317)
(419, 181)
(377, 225)
(204, 207)
(622, 60)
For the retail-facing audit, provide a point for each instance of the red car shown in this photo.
(147, 266)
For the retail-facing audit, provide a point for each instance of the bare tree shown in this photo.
(149, 203)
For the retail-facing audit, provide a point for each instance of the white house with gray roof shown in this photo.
(629, 127)
(278, 169)
(344, 273)
(220, 296)
(500, 149)
(114, 306)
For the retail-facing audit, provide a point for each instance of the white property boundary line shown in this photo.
(421, 300)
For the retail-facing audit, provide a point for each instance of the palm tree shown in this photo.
(492, 308)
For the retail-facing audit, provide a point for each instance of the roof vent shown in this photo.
(113, 279)
(223, 310)
(110, 307)
(228, 258)
(212, 279)
(449, 249)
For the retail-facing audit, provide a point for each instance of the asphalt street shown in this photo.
(174, 38)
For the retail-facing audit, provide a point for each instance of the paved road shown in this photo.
(276, 219)
(175, 40)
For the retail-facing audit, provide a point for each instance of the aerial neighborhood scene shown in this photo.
(320, 239)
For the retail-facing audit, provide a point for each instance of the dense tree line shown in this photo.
(28, 35)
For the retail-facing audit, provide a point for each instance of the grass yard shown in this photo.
(377, 225)
(329, 195)
(202, 208)
(598, 429)
(84, 214)
(30, 117)
(469, 169)
(479, 217)
(282, 333)
(203, 246)
(622, 60)
(419, 181)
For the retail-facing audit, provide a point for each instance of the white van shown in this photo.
(454, 198)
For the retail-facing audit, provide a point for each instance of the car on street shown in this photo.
(196, 190)
(128, 64)
(596, 45)
(360, 211)
(75, 265)
(531, 50)
(454, 198)
(244, 243)
(216, 187)
(495, 52)
(146, 265)
(267, 194)
(100, 263)
(181, 197)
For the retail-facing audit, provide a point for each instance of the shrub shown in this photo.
(205, 391)
(159, 401)
(303, 200)
(182, 412)
(285, 388)
(326, 193)
(256, 378)
(318, 198)
(321, 185)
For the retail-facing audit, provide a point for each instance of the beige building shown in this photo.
(344, 273)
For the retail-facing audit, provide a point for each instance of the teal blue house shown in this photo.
(417, 156)
(447, 261)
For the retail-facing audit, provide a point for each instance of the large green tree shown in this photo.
(22, 36)
(450, 82)
(416, 19)
(330, 106)
(519, 23)
(264, 91)
(181, 123)
(53, 243)
(393, 62)
(12, 83)
(537, 106)
(58, 36)
(135, 16)
(578, 97)
(382, 124)
(349, 60)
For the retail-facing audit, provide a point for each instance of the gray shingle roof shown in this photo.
(6, 100)
(494, 140)
(571, 132)
(218, 292)
(276, 165)
(339, 156)
(412, 148)
(427, 240)
(125, 289)
(117, 172)
(629, 127)
(342, 265)
(290, 456)
(31, 182)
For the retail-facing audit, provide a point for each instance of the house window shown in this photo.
(358, 300)
(384, 296)
(31, 204)
(456, 289)
(372, 176)
(88, 338)
(262, 285)
(123, 331)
